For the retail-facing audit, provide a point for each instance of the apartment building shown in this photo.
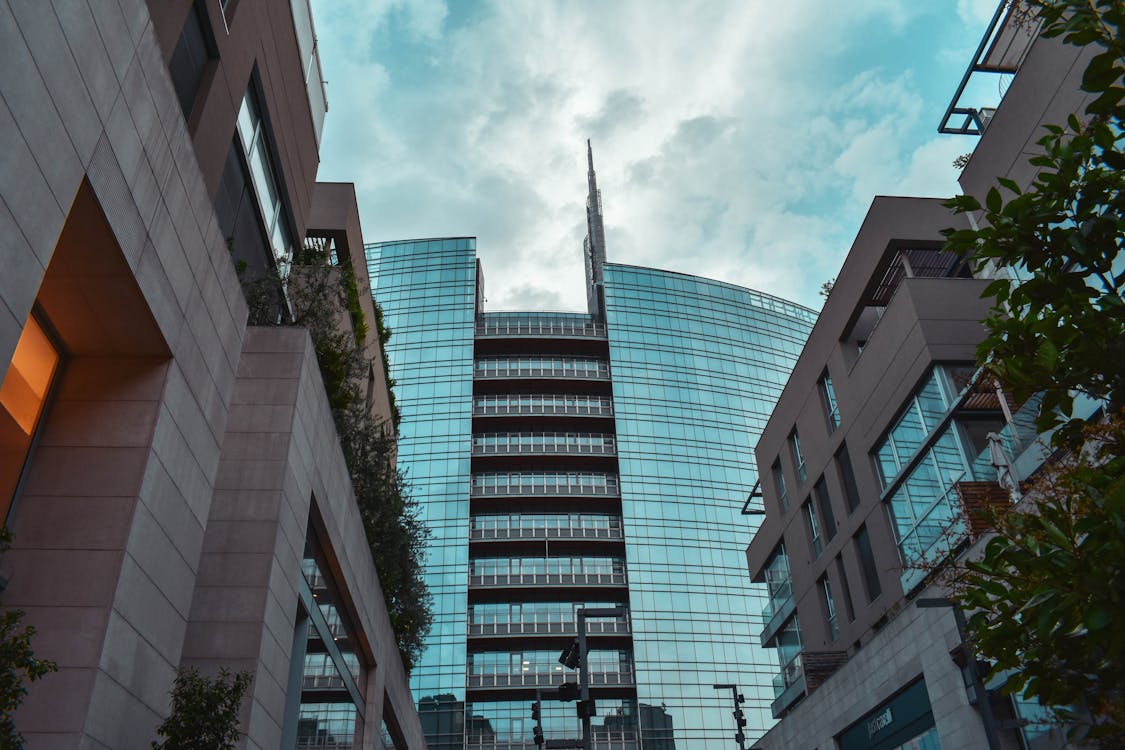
(885, 433)
(171, 476)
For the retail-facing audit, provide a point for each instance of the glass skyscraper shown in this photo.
(565, 460)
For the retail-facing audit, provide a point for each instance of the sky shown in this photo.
(740, 140)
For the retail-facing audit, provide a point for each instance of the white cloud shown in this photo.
(741, 141)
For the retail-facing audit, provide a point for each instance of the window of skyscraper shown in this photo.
(812, 526)
(829, 605)
(824, 505)
(847, 477)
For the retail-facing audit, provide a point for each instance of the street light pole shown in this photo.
(739, 718)
(586, 707)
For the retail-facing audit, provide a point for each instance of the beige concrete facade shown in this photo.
(162, 514)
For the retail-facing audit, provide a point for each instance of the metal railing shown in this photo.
(607, 486)
(790, 673)
(322, 682)
(593, 627)
(580, 369)
(548, 579)
(545, 532)
(539, 327)
(572, 443)
(545, 679)
(602, 740)
(594, 406)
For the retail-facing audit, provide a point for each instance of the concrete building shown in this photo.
(568, 460)
(172, 477)
(878, 443)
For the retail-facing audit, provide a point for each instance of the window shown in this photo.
(778, 581)
(867, 564)
(824, 505)
(779, 483)
(798, 457)
(829, 609)
(22, 398)
(257, 149)
(812, 526)
(194, 49)
(847, 478)
(847, 589)
(828, 396)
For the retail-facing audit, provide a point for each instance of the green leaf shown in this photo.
(993, 200)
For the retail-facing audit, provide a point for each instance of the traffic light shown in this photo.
(536, 711)
(537, 735)
(568, 691)
(740, 738)
(587, 709)
(571, 656)
(739, 698)
(739, 718)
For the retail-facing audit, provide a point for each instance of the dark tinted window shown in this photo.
(847, 478)
(189, 59)
(867, 563)
(824, 505)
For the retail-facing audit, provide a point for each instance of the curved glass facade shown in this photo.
(697, 368)
(427, 289)
(563, 459)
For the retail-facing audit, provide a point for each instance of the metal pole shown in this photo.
(740, 736)
(583, 679)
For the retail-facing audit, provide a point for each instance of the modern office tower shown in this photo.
(570, 460)
(172, 476)
(885, 433)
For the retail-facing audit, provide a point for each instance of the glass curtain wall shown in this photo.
(697, 368)
(427, 290)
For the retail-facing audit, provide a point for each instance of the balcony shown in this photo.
(546, 679)
(595, 484)
(539, 325)
(574, 368)
(613, 531)
(775, 614)
(544, 444)
(543, 405)
(500, 580)
(593, 627)
(788, 687)
(602, 740)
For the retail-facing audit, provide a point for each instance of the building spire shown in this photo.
(593, 247)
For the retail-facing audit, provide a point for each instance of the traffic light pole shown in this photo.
(739, 717)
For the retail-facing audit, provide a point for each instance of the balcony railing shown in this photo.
(322, 682)
(545, 679)
(544, 443)
(547, 579)
(544, 532)
(593, 627)
(789, 675)
(539, 327)
(578, 369)
(602, 740)
(593, 406)
(604, 485)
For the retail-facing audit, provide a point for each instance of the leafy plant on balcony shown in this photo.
(395, 533)
(1046, 593)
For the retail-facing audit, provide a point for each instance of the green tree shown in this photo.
(1059, 328)
(204, 711)
(395, 532)
(18, 664)
(1045, 594)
